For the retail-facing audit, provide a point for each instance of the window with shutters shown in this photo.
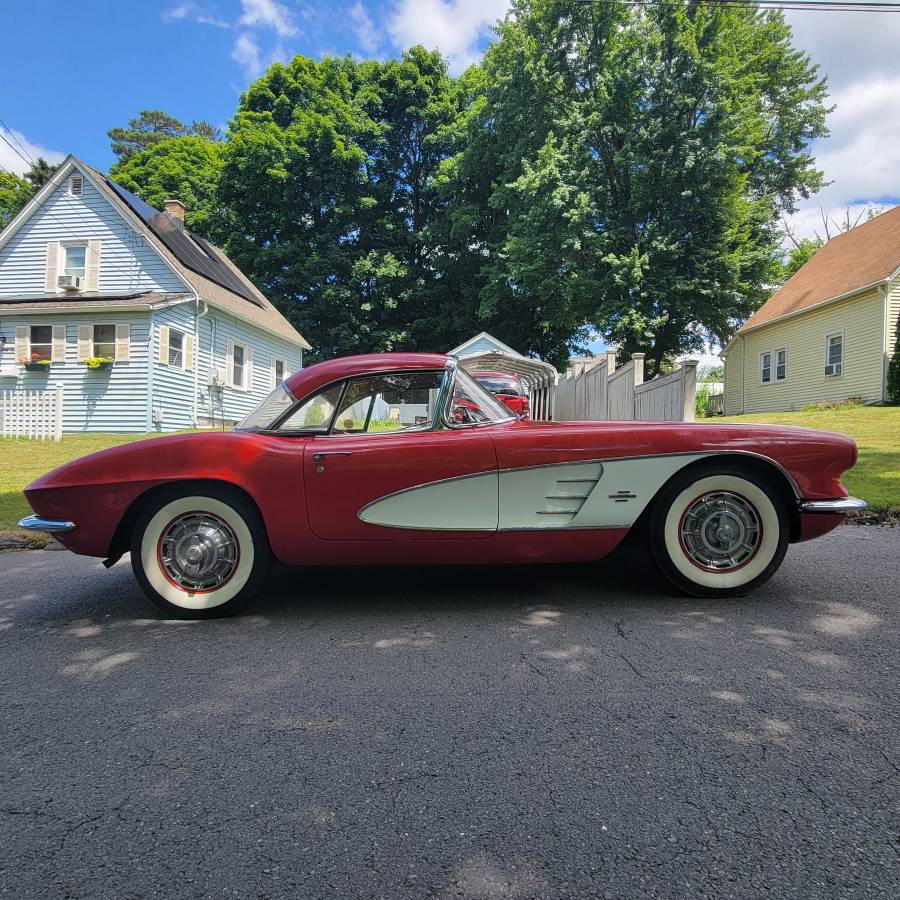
(40, 341)
(74, 260)
(104, 341)
(176, 348)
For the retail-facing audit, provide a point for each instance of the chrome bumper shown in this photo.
(840, 505)
(51, 526)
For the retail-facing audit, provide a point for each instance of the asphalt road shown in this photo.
(472, 733)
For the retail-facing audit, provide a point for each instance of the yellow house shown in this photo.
(827, 335)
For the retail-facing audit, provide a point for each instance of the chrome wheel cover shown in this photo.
(198, 552)
(720, 531)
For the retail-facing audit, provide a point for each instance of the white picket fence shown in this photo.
(595, 390)
(32, 414)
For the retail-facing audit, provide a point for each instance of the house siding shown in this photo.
(862, 322)
(128, 264)
(216, 330)
(115, 400)
(893, 314)
(172, 407)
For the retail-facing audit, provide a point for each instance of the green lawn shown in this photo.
(21, 461)
(876, 430)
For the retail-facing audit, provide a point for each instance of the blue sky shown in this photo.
(72, 71)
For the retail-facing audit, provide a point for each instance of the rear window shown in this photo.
(499, 384)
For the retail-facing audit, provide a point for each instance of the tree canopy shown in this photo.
(181, 168)
(16, 191)
(606, 168)
(151, 127)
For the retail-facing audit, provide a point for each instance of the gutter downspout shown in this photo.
(885, 291)
(197, 317)
(743, 371)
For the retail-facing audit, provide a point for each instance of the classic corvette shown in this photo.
(404, 458)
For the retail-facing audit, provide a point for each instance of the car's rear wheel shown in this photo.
(200, 555)
(719, 531)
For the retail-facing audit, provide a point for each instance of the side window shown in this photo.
(834, 354)
(314, 414)
(386, 403)
(765, 367)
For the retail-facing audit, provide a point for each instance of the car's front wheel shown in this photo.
(719, 531)
(200, 555)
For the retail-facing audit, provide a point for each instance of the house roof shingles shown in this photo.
(261, 313)
(859, 258)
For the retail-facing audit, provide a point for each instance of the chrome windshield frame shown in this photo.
(452, 368)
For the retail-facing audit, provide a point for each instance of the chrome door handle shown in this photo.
(320, 456)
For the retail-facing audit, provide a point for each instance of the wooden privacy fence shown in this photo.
(595, 390)
(32, 414)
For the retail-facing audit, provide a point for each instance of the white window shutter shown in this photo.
(52, 266)
(189, 351)
(248, 369)
(85, 341)
(22, 349)
(58, 351)
(92, 266)
(123, 342)
(229, 364)
(164, 344)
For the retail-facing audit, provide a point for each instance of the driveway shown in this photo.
(473, 733)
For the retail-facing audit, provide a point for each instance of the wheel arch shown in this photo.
(121, 540)
(740, 461)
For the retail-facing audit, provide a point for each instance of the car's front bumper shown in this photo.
(51, 526)
(840, 505)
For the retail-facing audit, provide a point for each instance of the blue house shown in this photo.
(146, 326)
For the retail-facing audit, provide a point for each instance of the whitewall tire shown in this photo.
(719, 531)
(200, 555)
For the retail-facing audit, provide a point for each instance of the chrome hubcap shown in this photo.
(198, 551)
(721, 531)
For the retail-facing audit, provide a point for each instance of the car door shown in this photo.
(382, 472)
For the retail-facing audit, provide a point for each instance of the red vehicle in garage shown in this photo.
(320, 473)
(510, 390)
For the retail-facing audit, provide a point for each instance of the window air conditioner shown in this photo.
(69, 282)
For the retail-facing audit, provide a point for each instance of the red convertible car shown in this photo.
(324, 472)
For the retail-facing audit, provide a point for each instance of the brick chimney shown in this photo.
(175, 210)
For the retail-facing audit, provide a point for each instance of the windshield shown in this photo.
(267, 410)
(473, 405)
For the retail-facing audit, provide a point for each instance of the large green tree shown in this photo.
(183, 168)
(151, 127)
(16, 191)
(329, 180)
(645, 156)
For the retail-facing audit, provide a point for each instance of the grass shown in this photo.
(876, 429)
(21, 461)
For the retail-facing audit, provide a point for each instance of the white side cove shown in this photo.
(601, 494)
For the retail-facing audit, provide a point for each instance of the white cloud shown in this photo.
(861, 158)
(267, 14)
(195, 13)
(456, 27)
(12, 161)
(364, 28)
(246, 54)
